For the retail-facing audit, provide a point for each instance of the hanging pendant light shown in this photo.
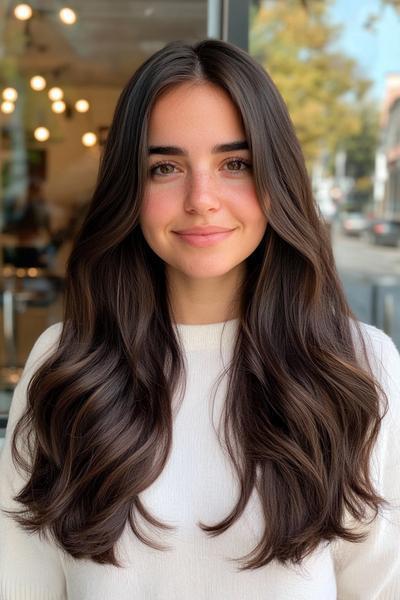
(38, 83)
(89, 139)
(7, 107)
(82, 105)
(23, 12)
(10, 94)
(67, 16)
(58, 106)
(55, 93)
(41, 134)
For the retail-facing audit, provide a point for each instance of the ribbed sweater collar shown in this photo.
(210, 335)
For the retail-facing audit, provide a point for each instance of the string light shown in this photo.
(82, 105)
(38, 83)
(56, 93)
(10, 94)
(67, 16)
(41, 134)
(23, 12)
(59, 106)
(89, 139)
(7, 107)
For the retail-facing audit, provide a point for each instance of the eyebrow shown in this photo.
(177, 151)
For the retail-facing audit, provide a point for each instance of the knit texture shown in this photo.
(198, 485)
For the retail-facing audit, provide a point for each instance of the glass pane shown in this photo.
(337, 65)
(60, 77)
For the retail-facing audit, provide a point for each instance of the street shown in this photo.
(356, 255)
(371, 278)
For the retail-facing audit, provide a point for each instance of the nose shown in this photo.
(201, 194)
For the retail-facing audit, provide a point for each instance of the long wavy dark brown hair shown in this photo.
(303, 408)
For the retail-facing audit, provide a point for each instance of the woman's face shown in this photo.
(193, 181)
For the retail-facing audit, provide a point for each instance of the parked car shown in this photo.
(385, 232)
(354, 223)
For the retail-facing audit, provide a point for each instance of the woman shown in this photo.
(208, 379)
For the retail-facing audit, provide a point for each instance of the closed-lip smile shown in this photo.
(209, 230)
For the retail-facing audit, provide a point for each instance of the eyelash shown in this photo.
(230, 160)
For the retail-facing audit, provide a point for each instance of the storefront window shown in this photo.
(61, 72)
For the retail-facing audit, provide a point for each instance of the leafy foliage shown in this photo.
(322, 87)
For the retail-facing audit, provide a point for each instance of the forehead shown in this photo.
(191, 107)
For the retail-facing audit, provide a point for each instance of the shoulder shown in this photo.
(372, 334)
(382, 352)
(384, 359)
(44, 345)
(49, 336)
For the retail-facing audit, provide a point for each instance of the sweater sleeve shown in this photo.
(30, 566)
(371, 569)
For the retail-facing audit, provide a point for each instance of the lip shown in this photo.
(203, 240)
(206, 230)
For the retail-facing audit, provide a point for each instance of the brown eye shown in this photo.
(164, 169)
(237, 164)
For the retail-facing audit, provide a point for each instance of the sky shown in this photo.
(376, 52)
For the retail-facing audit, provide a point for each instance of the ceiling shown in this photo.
(110, 39)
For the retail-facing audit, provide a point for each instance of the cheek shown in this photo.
(248, 208)
(258, 216)
(156, 211)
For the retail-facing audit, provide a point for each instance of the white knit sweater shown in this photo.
(198, 484)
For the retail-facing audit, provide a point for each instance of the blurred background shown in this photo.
(62, 68)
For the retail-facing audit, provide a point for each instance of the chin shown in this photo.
(208, 272)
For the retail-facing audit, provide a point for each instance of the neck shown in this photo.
(203, 301)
